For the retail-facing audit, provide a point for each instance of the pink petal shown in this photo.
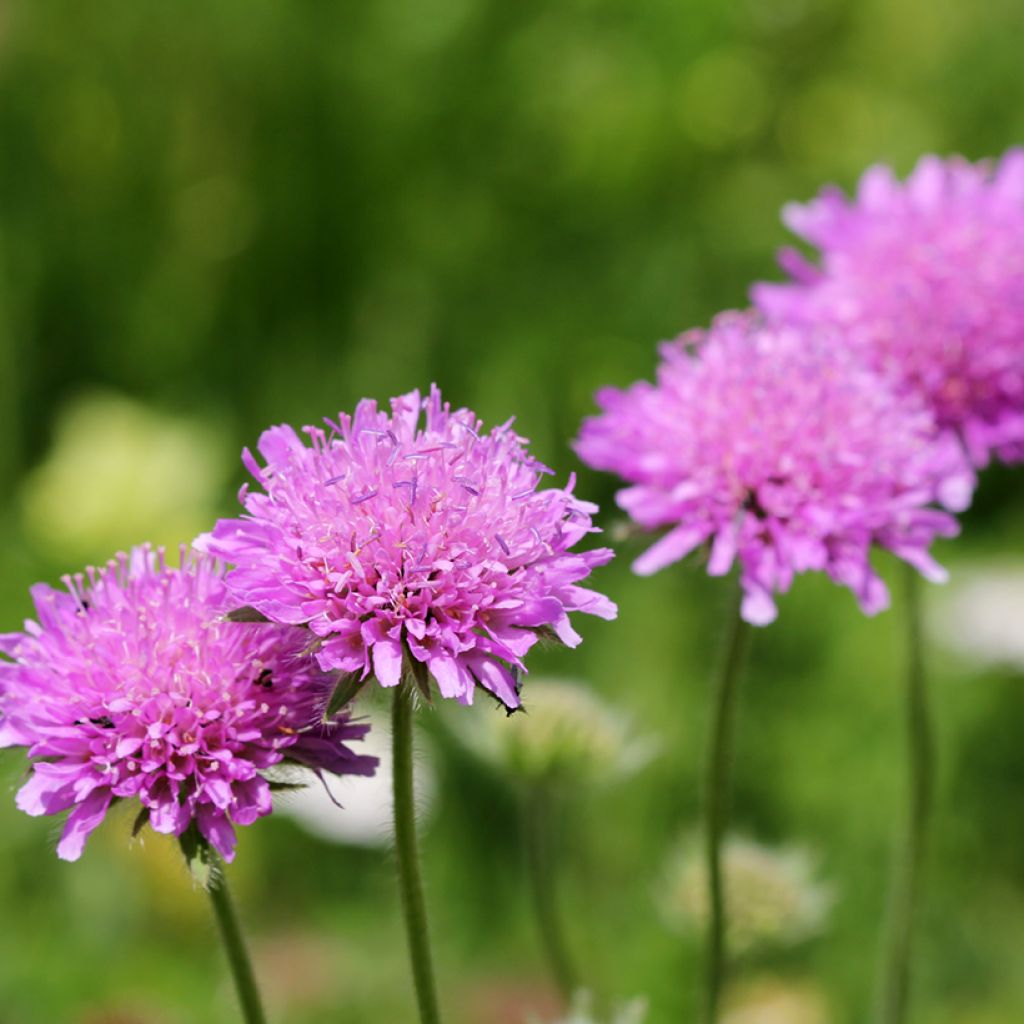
(387, 662)
(81, 822)
(676, 544)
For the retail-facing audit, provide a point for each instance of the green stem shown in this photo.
(538, 840)
(234, 947)
(718, 783)
(409, 881)
(906, 881)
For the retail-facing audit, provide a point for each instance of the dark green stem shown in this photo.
(407, 853)
(540, 862)
(717, 797)
(234, 947)
(905, 887)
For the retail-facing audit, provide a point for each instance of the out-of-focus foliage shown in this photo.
(229, 213)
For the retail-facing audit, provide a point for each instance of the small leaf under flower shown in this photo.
(199, 858)
(246, 614)
(346, 689)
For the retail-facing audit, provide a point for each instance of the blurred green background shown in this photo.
(218, 215)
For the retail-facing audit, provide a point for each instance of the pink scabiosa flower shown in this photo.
(132, 684)
(412, 533)
(784, 452)
(927, 278)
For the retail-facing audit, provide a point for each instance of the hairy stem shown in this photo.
(905, 887)
(717, 798)
(234, 947)
(410, 883)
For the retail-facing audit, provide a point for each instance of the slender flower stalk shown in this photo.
(410, 882)
(717, 799)
(906, 884)
(538, 838)
(235, 949)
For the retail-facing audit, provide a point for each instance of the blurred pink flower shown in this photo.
(412, 532)
(132, 684)
(927, 278)
(781, 449)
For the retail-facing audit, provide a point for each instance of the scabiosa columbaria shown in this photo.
(926, 277)
(784, 452)
(132, 684)
(412, 532)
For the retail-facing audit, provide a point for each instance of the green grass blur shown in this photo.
(216, 216)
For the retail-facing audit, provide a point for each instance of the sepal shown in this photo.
(200, 858)
(346, 689)
(420, 675)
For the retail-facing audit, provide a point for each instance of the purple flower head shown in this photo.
(412, 533)
(132, 684)
(927, 278)
(785, 453)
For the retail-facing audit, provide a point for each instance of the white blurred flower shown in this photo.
(980, 615)
(120, 473)
(772, 895)
(633, 1012)
(365, 817)
(776, 1001)
(566, 734)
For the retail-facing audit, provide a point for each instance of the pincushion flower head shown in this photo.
(780, 449)
(132, 684)
(412, 534)
(926, 277)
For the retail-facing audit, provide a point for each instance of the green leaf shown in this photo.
(199, 858)
(345, 691)
(246, 614)
(141, 821)
(281, 786)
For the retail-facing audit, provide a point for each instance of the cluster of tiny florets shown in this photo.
(412, 534)
(131, 684)
(782, 451)
(926, 279)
